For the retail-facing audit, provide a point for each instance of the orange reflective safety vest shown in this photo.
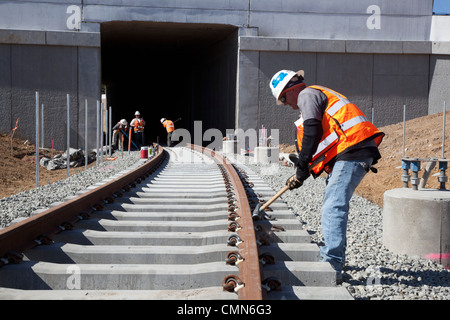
(169, 125)
(344, 127)
(138, 124)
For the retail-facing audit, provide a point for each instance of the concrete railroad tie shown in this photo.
(167, 239)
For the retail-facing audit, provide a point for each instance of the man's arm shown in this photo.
(312, 132)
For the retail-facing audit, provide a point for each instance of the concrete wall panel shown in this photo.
(6, 124)
(208, 14)
(322, 19)
(247, 90)
(35, 15)
(52, 71)
(270, 114)
(439, 83)
(89, 84)
(405, 7)
(399, 80)
(348, 74)
(382, 82)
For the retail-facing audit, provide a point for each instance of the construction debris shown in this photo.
(59, 161)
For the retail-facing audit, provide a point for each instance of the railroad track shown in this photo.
(178, 226)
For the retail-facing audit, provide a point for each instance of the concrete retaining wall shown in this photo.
(54, 71)
(381, 54)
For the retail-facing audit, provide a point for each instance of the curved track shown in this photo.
(178, 226)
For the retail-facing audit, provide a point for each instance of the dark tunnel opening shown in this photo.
(170, 70)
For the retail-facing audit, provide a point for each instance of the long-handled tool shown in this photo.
(129, 139)
(259, 209)
(258, 212)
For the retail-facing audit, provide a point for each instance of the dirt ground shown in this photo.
(423, 139)
(18, 166)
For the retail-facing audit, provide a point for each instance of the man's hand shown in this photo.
(293, 182)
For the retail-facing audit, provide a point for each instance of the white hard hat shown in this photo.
(137, 113)
(162, 120)
(280, 80)
(123, 122)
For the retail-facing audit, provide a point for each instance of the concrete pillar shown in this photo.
(230, 146)
(417, 223)
(266, 154)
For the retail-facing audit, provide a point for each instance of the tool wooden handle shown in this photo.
(275, 197)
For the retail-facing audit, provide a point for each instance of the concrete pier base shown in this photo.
(417, 223)
(230, 146)
(266, 154)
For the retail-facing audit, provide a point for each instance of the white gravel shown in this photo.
(371, 271)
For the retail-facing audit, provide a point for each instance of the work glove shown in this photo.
(293, 182)
(302, 172)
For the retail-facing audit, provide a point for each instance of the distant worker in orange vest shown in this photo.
(170, 127)
(335, 137)
(138, 124)
(119, 130)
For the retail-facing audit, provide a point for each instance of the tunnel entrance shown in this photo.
(170, 70)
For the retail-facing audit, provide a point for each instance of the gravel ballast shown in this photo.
(25, 204)
(371, 271)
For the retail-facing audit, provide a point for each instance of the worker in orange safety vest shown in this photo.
(333, 136)
(119, 130)
(138, 124)
(170, 128)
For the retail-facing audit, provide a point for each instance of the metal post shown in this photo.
(406, 165)
(372, 114)
(101, 133)
(68, 135)
(42, 126)
(404, 124)
(98, 128)
(442, 164)
(106, 131)
(37, 139)
(443, 132)
(415, 168)
(110, 130)
(85, 135)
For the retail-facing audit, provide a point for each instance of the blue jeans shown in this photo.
(341, 183)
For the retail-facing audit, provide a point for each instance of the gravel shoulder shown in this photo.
(371, 271)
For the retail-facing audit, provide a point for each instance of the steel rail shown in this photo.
(22, 235)
(250, 270)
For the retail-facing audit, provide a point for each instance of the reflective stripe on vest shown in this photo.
(344, 125)
(138, 126)
(170, 127)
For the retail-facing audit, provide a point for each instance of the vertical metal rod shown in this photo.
(106, 131)
(68, 135)
(110, 129)
(37, 139)
(101, 132)
(85, 134)
(404, 124)
(42, 126)
(443, 133)
(98, 129)
(372, 115)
